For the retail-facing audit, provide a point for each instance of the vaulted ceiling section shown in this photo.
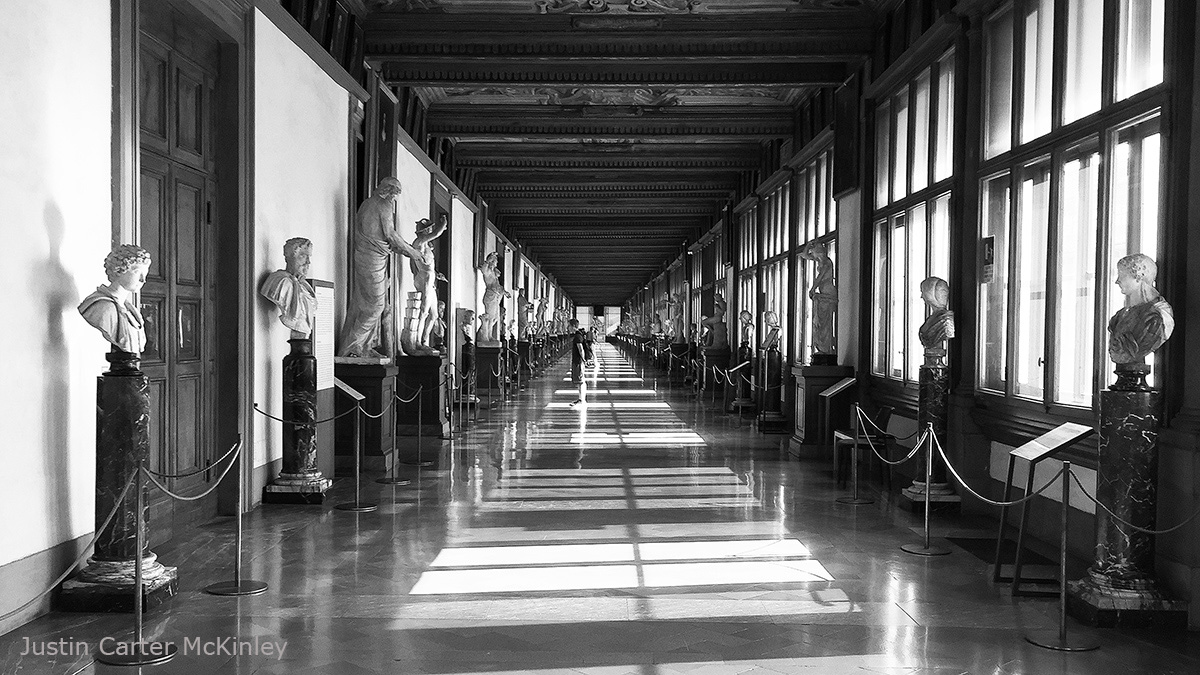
(608, 134)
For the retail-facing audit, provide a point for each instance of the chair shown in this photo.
(866, 436)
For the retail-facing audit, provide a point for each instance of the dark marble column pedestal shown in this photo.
(743, 392)
(678, 361)
(932, 409)
(299, 481)
(467, 372)
(106, 583)
(717, 358)
(489, 374)
(1120, 588)
(770, 393)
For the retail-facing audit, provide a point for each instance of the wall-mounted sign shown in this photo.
(987, 272)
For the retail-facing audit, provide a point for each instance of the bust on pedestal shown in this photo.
(742, 374)
(299, 481)
(934, 395)
(770, 378)
(122, 445)
(716, 343)
(1121, 587)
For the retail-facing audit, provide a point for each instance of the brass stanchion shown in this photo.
(139, 652)
(238, 586)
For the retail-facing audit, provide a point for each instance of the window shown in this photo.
(1055, 218)
(912, 233)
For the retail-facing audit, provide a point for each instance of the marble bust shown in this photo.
(771, 341)
(939, 326)
(746, 319)
(110, 309)
(290, 290)
(1146, 320)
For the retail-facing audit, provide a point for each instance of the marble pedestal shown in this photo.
(299, 481)
(770, 393)
(1120, 588)
(678, 360)
(809, 429)
(715, 357)
(377, 382)
(425, 415)
(487, 364)
(106, 583)
(932, 409)
(740, 382)
(524, 357)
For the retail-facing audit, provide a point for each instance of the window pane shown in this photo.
(883, 125)
(944, 152)
(897, 336)
(998, 55)
(1134, 207)
(993, 352)
(920, 149)
(1085, 33)
(1033, 217)
(899, 167)
(917, 252)
(878, 310)
(939, 238)
(1039, 64)
(1139, 46)
(1075, 323)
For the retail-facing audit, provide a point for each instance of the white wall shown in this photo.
(301, 183)
(56, 222)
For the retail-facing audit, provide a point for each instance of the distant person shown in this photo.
(581, 355)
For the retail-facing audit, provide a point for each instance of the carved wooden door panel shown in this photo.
(176, 225)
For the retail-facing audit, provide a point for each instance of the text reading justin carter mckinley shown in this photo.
(213, 646)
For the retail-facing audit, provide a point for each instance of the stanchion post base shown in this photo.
(855, 500)
(357, 507)
(1050, 639)
(923, 551)
(388, 480)
(160, 652)
(245, 587)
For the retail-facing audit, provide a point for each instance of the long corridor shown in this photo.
(640, 534)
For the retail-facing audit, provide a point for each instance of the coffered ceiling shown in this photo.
(607, 134)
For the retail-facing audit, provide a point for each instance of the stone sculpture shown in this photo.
(489, 325)
(110, 309)
(437, 337)
(771, 341)
(1146, 321)
(415, 341)
(718, 332)
(939, 327)
(824, 300)
(374, 239)
(678, 318)
(525, 310)
(290, 290)
(747, 321)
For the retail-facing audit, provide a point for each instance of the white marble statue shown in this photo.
(290, 289)
(771, 339)
(524, 314)
(111, 309)
(425, 278)
(489, 324)
(718, 331)
(1146, 321)
(373, 241)
(824, 299)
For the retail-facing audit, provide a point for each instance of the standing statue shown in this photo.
(678, 318)
(771, 341)
(1144, 323)
(290, 290)
(110, 309)
(489, 325)
(415, 341)
(939, 327)
(525, 310)
(718, 332)
(824, 300)
(374, 239)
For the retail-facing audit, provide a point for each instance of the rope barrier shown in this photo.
(884, 432)
(980, 497)
(193, 473)
(216, 484)
(755, 386)
(1126, 523)
(381, 412)
(305, 424)
(910, 455)
(396, 397)
(86, 549)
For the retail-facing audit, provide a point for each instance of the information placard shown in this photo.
(1052, 441)
(323, 333)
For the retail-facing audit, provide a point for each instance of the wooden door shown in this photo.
(179, 66)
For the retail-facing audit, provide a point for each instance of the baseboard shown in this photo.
(33, 574)
(260, 477)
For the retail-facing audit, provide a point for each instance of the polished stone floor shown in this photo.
(644, 535)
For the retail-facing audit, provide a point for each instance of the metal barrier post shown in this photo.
(239, 586)
(856, 500)
(357, 505)
(927, 550)
(1060, 641)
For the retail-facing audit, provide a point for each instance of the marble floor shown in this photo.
(644, 534)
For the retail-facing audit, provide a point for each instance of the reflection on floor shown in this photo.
(642, 534)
